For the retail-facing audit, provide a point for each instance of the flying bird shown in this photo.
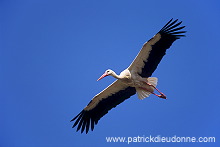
(135, 79)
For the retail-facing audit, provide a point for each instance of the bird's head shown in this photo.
(107, 73)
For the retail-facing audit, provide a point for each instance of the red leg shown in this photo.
(161, 94)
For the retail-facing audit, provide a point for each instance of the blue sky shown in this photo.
(52, 52)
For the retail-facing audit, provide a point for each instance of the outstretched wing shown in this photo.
(153, 50)
(109, 98)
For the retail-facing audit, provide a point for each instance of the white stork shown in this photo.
(135, 79)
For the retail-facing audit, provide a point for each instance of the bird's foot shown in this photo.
(163, 96)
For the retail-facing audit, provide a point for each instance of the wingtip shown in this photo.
(172, 28)
(74, 125)
(87, 130)
(78, 128)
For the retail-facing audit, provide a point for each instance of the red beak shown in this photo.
(104, 75)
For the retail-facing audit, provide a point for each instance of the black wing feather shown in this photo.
(170, 24)
(87, 125)
(167, 23)
(84, 117)
(168, 36)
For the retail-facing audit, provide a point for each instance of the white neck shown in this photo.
(115, 75)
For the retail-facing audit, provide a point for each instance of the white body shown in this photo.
(135, 80)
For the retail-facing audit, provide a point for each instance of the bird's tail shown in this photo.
(144, 93)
